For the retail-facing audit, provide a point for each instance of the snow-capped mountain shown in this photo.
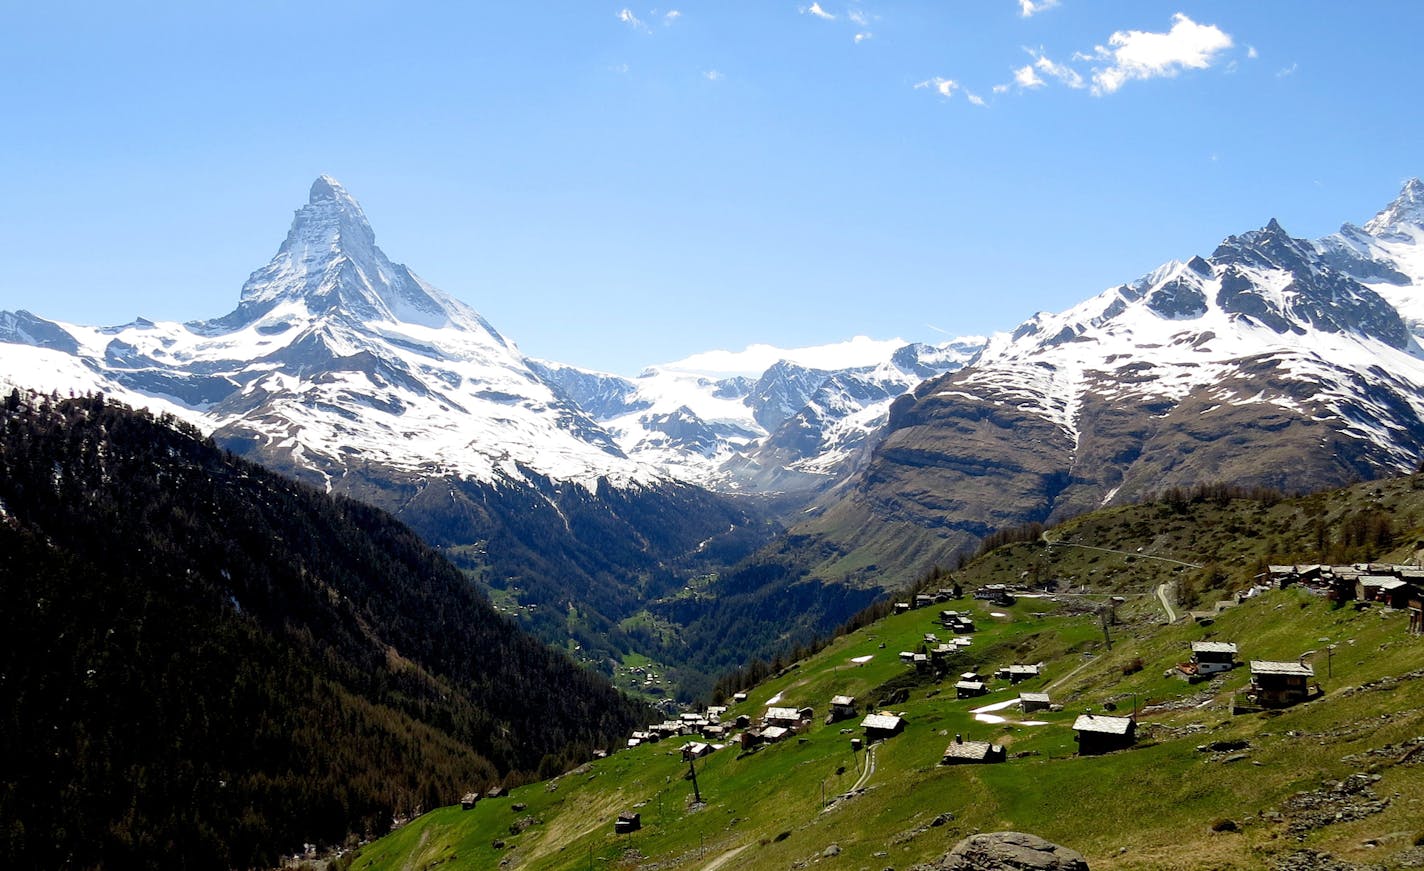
(1275, 362)
(735, 422)
(336, 356)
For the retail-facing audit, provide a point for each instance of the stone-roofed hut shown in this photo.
(882, 725)
(1279, 684)
(1100, 734)
(1030, 702)
(963, 752)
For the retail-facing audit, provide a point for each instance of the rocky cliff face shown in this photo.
(1275, 362)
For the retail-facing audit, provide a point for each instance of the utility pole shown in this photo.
(692, 767)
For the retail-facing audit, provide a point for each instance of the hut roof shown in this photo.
(1104, 725)
(1265, 666)
(977, 751)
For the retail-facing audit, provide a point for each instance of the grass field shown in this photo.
(1150, 807)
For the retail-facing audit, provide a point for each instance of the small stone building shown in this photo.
(1030, 702)
(1279, 684)
(627, 823)
(882, 725)
(963, 752)
(969, 689)
(1100, 734)
(842, 708)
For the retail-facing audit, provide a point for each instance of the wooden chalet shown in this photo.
(882, 725)
(1020, 672)
(842, 708)
(695, 750)
(1392, 591)
(772, 734)
(996, 593)
(1208, 658)
(963, 752)
(627, 823)
(1279, 684)
(969, 689)
(786, 718)
(1030, 702)
(1100, 734)
(469, 800)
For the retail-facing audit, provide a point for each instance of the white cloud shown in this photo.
(712, 75)
(862, 37)
(859, 18)
(1139, 54)
(1025, 77)
(1251, 52)
(945, 87)
(816, 10)
(671, 16)
(1062, 72)
(1029, 8)
(859, 351)
(626, 16)
(1000, 89)
(1287, 71)
(975, 99)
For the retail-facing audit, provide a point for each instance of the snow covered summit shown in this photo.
(334, 356)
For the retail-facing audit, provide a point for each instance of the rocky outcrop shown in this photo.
(1007, 851)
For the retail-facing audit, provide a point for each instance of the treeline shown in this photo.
(1181, 499)
(203, 664)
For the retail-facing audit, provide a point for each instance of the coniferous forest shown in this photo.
(204, 664)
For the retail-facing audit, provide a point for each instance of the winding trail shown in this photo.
(1166, 606)
(1164, 559)
(869, 768)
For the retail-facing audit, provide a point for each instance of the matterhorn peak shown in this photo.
(1407, 209)
(331, 219)
(329, 266)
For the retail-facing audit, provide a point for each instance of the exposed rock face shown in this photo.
(1007, 851)
(1276, 362)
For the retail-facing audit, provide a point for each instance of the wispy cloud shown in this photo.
(944, 87)
(1139, 54)
(712, 75)
(1026, 77)
(1062, 72)
(626, 16)
(671, 16)
(853, 16)
(975, 99)
(1030, 8)
(1287, 71)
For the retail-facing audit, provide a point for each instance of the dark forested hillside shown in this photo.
(203, 664)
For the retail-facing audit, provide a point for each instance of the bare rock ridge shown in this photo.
(1276, 362)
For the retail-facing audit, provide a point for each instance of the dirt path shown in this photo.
(869, 768)
(1167, 606)
(724, 858)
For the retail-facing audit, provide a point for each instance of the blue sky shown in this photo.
(616, 185)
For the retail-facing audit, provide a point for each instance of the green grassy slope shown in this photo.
(1155, 806)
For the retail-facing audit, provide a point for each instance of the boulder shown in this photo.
(1007, 851)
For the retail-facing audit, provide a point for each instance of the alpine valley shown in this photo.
(701, 518)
